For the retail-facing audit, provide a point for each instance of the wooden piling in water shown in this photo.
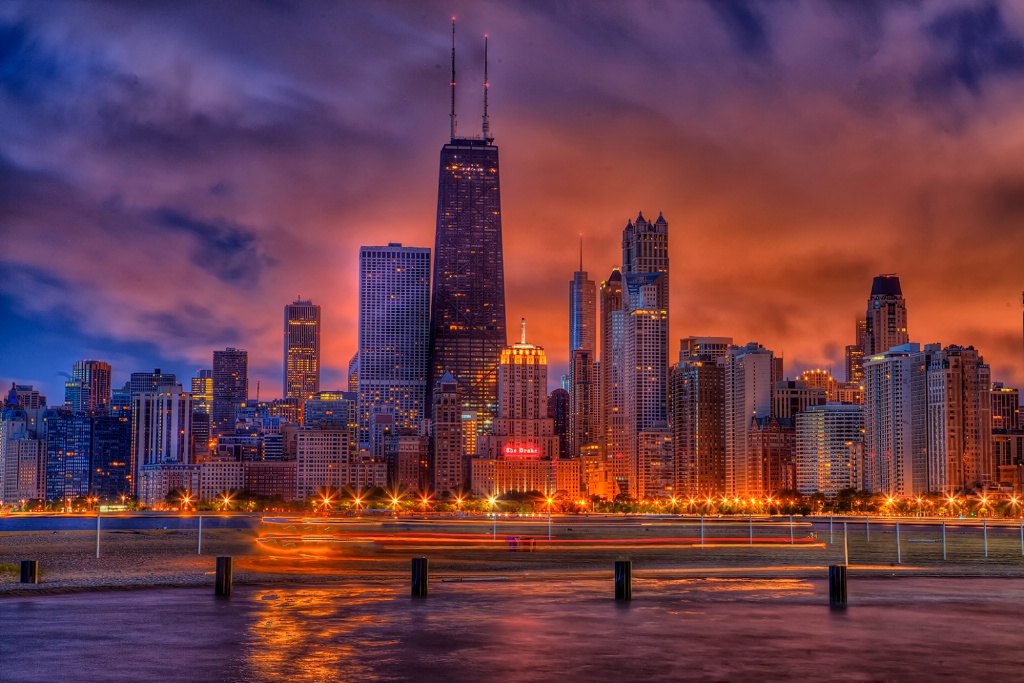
(837, 585)
(224, 581)
(623, 580)
(420, 576)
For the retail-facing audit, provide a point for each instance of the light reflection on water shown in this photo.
(721, 629)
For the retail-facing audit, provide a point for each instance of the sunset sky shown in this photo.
(172, 174)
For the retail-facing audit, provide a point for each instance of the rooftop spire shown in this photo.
(452, 115)
(522, 332)
(487, 123)
(581, 252)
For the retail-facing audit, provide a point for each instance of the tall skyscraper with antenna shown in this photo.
(584, 415)
(467, 326)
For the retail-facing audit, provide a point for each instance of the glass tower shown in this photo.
(467, 327)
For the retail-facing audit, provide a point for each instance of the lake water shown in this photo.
(906, 629)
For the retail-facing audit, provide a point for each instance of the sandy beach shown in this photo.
(313, 552)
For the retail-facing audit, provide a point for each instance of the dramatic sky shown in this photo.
(173, 173)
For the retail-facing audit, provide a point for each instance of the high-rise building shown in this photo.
(68, 450)
(148, 381)
(828, 438)
(521, 454)
(301, 350)
(353, 373)
(698, 416)
(230, 387)
(886, 323)
(447, 471)
(770, 442)
(895, 420)
(583, 400)
(1005, 407)
(582, 310)
(467, 313)
(394, 333)
(558, 410)
(202, 391)
(645, 295)
(584, 415)
(89, 387)
(161, 427)
(749, 381)
(959, 421)
(823, 380)
(613, 340)
(111, 457)
(794, 396)
(855, 355)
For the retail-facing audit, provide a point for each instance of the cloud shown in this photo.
(172, 174)
(975, 45)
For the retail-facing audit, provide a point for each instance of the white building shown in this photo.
(828, 440)
(749, 381)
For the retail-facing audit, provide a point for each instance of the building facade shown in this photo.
(301, 350)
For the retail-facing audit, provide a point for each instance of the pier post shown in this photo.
(199, 545)
(97, 534)
(30, 571)
(751, 524)
(830, 528)
(702, 531)
(984, 523)
(420, 575)
(224, 581)
(943, 539)
(867, 528)
(623, 580)
(837, 585)
(846, 548)
(791, 529)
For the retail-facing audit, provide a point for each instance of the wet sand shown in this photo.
(380, 550)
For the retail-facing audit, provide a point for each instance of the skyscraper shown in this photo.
(959, 421)
(645, 297)
(895, 420)
(301, 350)
(886, 324)
(584, 415)
(447, 471)
(698, 416)
(467, 328)
(230, 387)
(749, 381)
(394, 334)
(613, 419)
(827, 437)
(88, 391)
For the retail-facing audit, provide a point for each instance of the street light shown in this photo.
(550, 500)
(494, 518)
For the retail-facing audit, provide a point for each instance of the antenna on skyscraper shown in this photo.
(522, 332)
(487, 123)
(453, 80)
(581, 252)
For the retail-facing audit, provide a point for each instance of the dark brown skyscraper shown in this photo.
(467, 313)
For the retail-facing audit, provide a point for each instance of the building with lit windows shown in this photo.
(960, 454)
(896, 420)
(611, 403)
(750, 373)
(698, 416)
(886, 322)
(230, 388)
(394, 334)
(828, 441)
(645, 297)
(523, 440)
(88, 390)
(301, 350)
(161, 428)
(467, 312)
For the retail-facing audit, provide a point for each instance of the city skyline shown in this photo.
(209, 179)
